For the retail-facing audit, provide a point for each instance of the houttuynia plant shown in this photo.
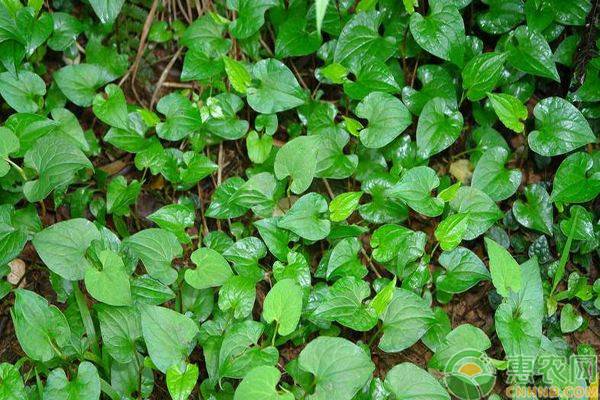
(299, 199)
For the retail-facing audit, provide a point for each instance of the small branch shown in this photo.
(164, 75)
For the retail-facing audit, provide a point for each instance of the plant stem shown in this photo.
(86, 317)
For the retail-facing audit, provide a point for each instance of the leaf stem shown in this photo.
(19, 169)
(560, 271)
(86, 317)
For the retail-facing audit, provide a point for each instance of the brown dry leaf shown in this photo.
(17, 271)
(462, 171)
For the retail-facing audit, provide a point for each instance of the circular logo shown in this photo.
(469, 375)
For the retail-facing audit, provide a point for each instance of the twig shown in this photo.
(142, 46)
(329, 191)
(364, 253)
(164, 75)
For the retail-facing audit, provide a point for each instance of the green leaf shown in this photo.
(107, 10)
(275, 238)
(12, 387)
(23, 93)
(441, 33)
(291, 161)
(344, 304)
(86, 385)
(343, 205)
(435, 82)
(451, 231)
(168, 335)
(581, 222)
(482, 210)
(261, 383)
(156, 248)
(212, 270)
(577, 179)
(337, 380)
(56, 161)
(320, 10)
(501, 16)
(505, 271)
(560, 128)
(482, 73)
(359, 42)
(440, 124)
(80, 82)
(112, 109)
(384, 297)
(120, 195)
(510, 110)
(182, 117)
(259, 147)
(519, 318)
(175, 218)
(463, 270)
(221, 205)
(237, 295)
(283, 304)
(42, 330)
(529, 52)
(294, 40)
(111, 284)
(62, 247)
(397, 244)
(536, 212)
(415, 188)
(387, 117)
(570, 319)
(181, 383)
(275, 89)
(492, 178)
(305, 218)
(420, 385)
(250, 17)
(121, 328)
(405, 321)
(238, 74)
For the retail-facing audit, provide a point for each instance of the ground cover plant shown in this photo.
(299, 199)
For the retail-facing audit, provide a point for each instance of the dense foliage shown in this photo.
(299, 199)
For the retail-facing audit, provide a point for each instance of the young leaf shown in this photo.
(343, 205)
(505, 271)
(212, 270)
(283, 304)
(481, 74)
(261, 383)
(111, 284)
(510, 110)
(181, 383)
